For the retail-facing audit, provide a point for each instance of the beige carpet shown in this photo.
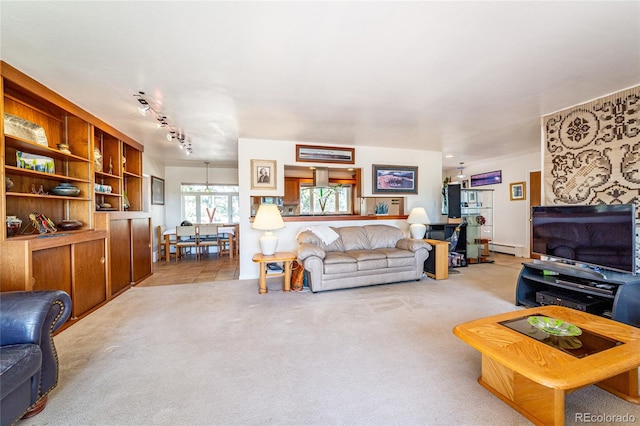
(220, 354)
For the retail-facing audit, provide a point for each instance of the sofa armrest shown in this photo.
(32, 317)
(25, 316)
(306, 250)
(412, 244)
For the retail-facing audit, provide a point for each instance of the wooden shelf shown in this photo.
(34, 148)
(78, 262)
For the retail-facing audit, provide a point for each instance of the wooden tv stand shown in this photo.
(609, 294)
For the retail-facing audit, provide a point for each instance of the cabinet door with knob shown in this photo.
(141, 248)
(89, 283)
(77, 267)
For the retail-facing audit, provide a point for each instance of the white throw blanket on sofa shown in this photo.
(325, 233)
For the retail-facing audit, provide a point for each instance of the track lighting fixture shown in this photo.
(173, 133)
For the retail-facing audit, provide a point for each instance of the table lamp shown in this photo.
(418, 219)
(267, 219)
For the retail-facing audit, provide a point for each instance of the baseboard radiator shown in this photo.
(514, 249)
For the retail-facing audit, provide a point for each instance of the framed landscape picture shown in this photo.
(325, 154)
(489, 178)
(395, 179)
(263, 174)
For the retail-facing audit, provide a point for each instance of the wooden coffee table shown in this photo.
(534, 377)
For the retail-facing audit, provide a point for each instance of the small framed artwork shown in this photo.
(325, 154)
(395, 179)
(263, 174)
(157, 191)
(472, 197)
(517, 191)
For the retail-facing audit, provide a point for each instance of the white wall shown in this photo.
(429, 186)
(510, 218)
(151, 167)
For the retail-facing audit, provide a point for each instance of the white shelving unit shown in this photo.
(477, 211)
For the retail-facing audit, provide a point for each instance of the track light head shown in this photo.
(162, 121)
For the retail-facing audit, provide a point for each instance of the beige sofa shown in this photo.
(360, 256)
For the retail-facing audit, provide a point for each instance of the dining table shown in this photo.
(230, 230)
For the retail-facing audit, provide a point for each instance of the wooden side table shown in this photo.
(441, 261)
(285, 257)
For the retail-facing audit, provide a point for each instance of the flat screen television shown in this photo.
(601, 236)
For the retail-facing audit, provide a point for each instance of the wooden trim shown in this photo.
(321, 218)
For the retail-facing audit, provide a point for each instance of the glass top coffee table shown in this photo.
(532, 370)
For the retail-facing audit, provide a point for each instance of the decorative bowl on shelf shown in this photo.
(69, 225)
(66, 189)
(554, 326)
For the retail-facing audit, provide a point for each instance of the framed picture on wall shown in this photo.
(489, 178)
(517, 191)
(157, 191)
(395, 179)
(325, 154)
(263, 174)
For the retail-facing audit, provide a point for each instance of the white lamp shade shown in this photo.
(418, 218)
(419, 215)
(268, 218)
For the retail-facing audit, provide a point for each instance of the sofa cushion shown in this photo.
(367, 265)
(382, 236)
(335, 257)
(353, 238)
(17, 364)
(362, 255)
(339, 263)
(398, 258)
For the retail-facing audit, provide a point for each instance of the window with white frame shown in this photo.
(316, 200)
(212, 203)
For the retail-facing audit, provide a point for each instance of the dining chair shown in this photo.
(224, 240)
(186, 238)
(208, 237)
(162, 248)
(159, 231)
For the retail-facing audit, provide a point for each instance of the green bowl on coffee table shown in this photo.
(554, 326)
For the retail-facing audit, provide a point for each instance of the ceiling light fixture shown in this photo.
(162, 122)
(460, 173)
(206, 163)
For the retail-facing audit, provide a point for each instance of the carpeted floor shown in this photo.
(220, 354)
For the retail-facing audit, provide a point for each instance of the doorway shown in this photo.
(535, 197)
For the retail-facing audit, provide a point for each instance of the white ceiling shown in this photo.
(467, 78)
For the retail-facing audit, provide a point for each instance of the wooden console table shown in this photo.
(441, 261)
(285, 257)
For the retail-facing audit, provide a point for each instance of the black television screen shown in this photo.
(600, 235)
